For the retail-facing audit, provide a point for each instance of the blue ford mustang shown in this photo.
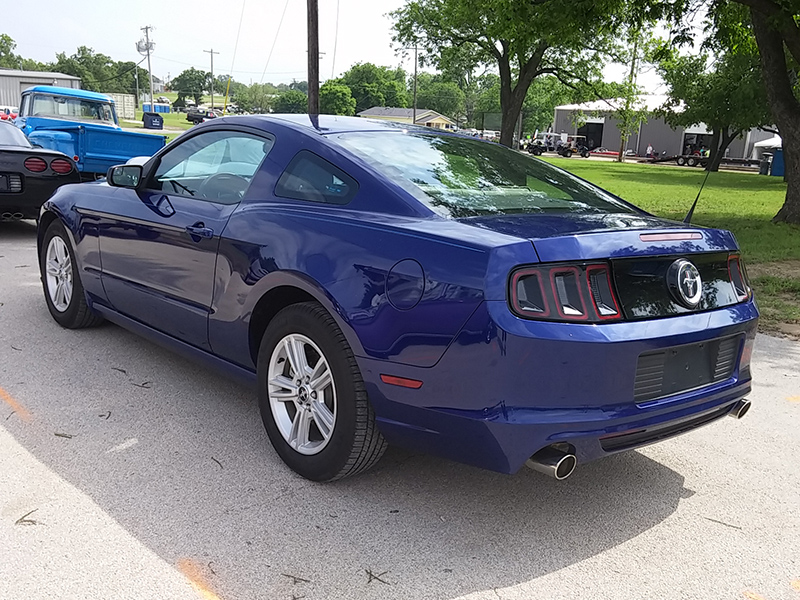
(385, 284)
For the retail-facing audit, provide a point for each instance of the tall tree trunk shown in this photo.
(512, 98)
(726, 138)
(713, 150)
(785, 110)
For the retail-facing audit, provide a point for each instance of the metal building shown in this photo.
(13, 82)
(596, 121)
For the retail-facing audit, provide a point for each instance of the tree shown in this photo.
(291, 101)
(726, 94)
(190, 83)
(774, 25)
(523, 40)
(445, 97)
(336, 99)
(300, 86)
(375, 86)
(8, 59)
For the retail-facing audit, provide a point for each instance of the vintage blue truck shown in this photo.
(82, 125)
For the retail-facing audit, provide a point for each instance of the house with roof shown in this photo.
(426, 117)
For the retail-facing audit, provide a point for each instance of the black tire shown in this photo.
(537, 151)
(355, 443)
(77, 314)
(691, 161)
(681, 161)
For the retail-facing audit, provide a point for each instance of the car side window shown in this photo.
(310, 177)
(217, 166)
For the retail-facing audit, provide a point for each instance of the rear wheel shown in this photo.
(681, 161)
(63, 290)
(691, 161)
(312, 397)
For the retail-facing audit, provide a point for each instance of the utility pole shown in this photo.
(149, 47)
(414, 119)
(136, 77)
(313, 57)
(212, 53)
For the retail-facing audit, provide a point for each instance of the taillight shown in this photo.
(61, 166)
(35, 164)
(564, 293)
(739, 280)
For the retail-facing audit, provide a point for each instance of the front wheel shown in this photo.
(312, 397)
(63, 290)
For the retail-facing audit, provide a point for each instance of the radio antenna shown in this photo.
(688, 218)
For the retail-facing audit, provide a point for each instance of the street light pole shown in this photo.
(212, 53)
(313, 58)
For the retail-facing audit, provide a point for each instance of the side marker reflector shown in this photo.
(414, 384)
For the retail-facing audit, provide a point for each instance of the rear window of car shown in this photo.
(312, 178)
(462, 177)
(11, 136)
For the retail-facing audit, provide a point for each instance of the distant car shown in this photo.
(29, 175)
(162, 100)
(8, 113)
(198, 115)
(384, 283)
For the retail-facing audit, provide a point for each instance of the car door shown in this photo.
(158, 243)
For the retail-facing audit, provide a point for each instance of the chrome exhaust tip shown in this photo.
(553, 462)
(740, 409)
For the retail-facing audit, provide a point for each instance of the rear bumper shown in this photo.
(506, 387)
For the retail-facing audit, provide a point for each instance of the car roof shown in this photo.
(73, 93)
(327, 124)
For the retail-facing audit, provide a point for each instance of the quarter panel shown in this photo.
(345, 256)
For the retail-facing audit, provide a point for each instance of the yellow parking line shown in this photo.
(796, 584)
(793, 398)
(194, 573)
(752, 596)
(20, 410)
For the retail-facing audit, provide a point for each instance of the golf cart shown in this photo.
(576, 144)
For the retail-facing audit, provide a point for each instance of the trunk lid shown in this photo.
(576, 237)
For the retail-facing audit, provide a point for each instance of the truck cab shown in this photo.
(83, 125)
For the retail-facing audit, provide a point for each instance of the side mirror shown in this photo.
(127, 176)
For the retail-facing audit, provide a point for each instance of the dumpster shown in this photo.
(763, 166)
(153, 120)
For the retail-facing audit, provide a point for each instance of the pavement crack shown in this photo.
(144, 385)
(24, 520)
(373, 577)
(216, 461)
(295, 579)
(723, 523)
(105, 415)
(68, 436)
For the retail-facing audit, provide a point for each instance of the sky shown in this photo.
(183, 29)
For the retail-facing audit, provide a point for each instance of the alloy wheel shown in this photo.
(302, 394)
(58, 273)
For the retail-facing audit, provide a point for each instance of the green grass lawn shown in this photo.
(743, 203)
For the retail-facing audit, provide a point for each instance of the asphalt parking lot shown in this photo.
(129, 472)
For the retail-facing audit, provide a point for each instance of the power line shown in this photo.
(275, 41)
(233, 60)
(335, 40)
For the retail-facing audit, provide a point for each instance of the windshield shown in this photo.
(61, 107)
(11, 136)
(462, 177)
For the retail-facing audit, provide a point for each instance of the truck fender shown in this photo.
(63, 141)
